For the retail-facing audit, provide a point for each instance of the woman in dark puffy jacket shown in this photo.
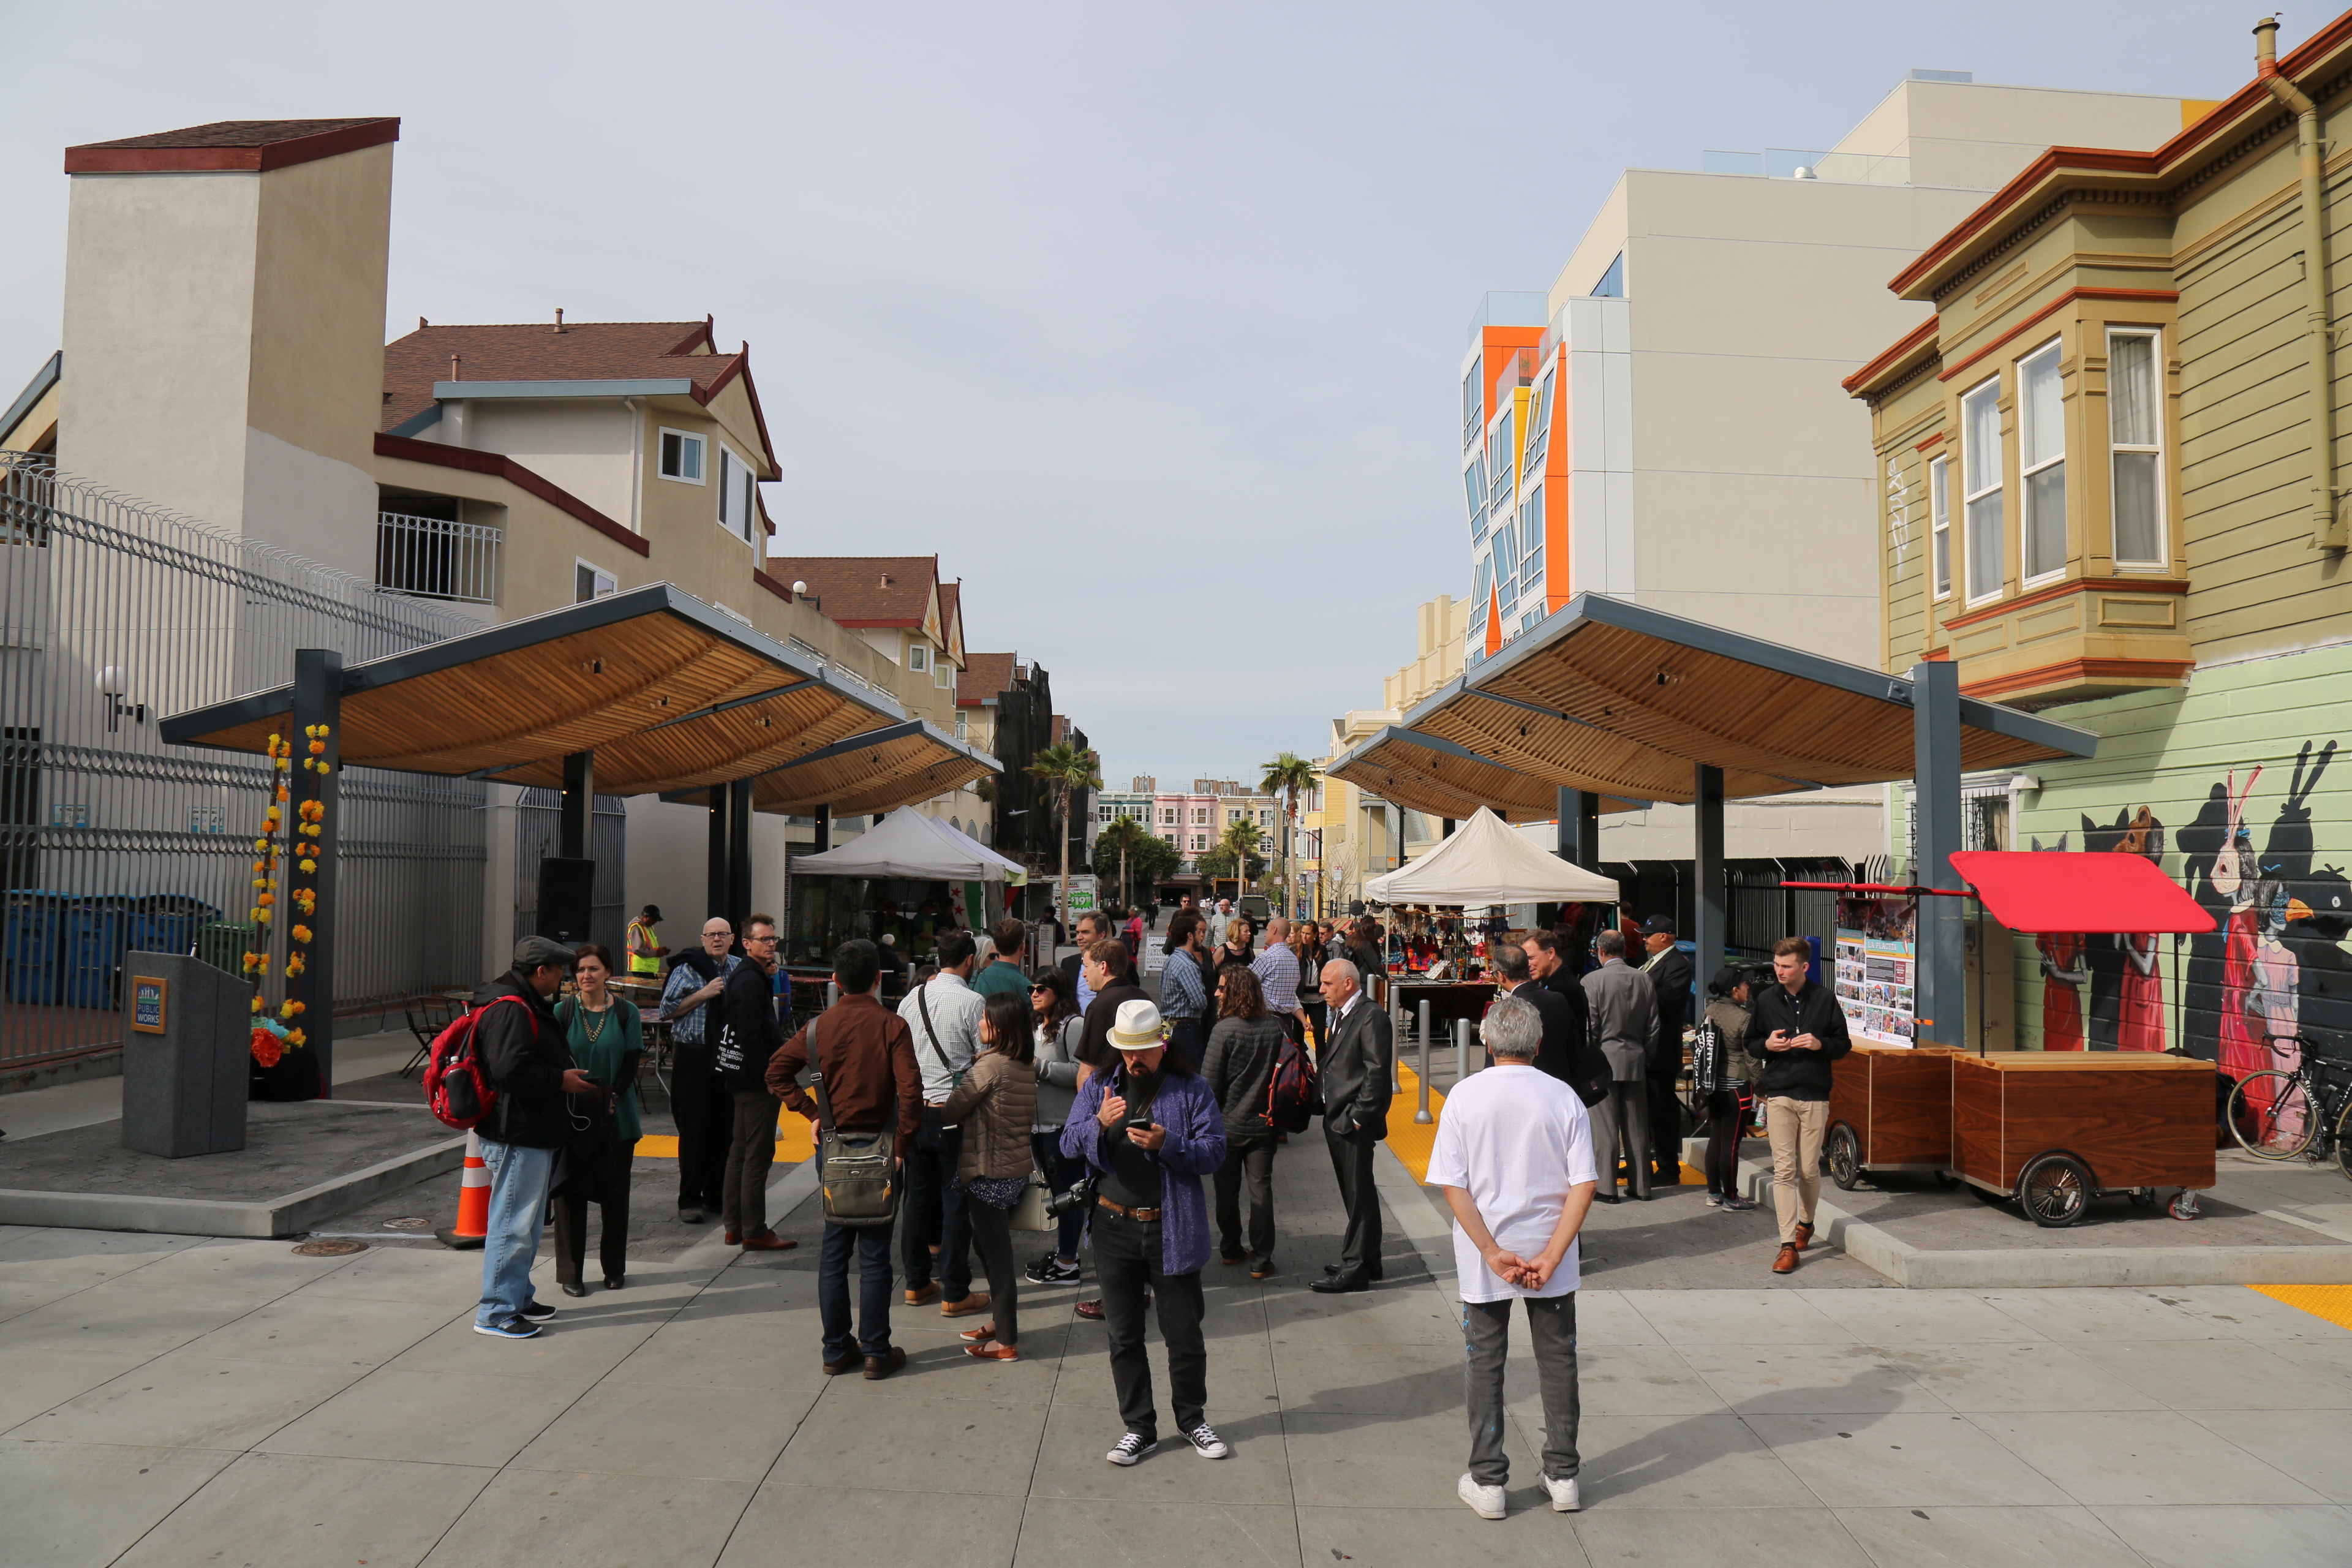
(995, 1104)
(1720, 1066)
(1239, 1070)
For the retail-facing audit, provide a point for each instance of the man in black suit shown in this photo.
(1585, 1068)
(1669, 969)
(1356, 1069)
(1563, 1053)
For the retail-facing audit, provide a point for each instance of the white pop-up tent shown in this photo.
(1485, 862)
(908, 844)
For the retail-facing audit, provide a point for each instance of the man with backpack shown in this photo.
(521, 1053)
(870, 1082)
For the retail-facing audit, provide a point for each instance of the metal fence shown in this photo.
(113, 613)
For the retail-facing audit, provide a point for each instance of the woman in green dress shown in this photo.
(608, 1040)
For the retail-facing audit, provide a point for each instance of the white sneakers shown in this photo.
(1486, 1502)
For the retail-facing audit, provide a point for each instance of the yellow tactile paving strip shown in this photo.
(1410, 1142)
(2333, 1303)
(795, 1140)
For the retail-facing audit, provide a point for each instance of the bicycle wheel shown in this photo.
(2344, 1139)
(2270, 1115)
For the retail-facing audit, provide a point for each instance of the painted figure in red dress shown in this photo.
(2063, 978)
(2236, 876)
(2139, 1022)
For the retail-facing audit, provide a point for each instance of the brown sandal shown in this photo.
(993, 1351)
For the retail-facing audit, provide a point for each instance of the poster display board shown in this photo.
(1876, 959)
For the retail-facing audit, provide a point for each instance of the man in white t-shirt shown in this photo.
(1513, 1157)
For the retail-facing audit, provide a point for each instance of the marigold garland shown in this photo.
(272, 1039)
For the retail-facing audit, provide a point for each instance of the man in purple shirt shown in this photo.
(1148, 1130)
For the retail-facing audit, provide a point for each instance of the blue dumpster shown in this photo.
(93, 952)
(165, 922)
(30, 945)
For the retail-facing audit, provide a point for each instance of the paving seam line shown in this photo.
(787, 1192)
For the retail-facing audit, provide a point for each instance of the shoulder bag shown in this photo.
(855, 1172)
(931, 1035)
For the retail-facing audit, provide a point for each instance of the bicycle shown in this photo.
(2281, 1114)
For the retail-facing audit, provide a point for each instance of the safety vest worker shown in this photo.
(646, 951)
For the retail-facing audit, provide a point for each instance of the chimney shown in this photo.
(559, 318)
(453, 369)
(886, 579)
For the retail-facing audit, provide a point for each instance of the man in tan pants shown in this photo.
(1795, 1034)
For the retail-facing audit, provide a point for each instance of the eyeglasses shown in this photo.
(764, 941)
(1034, 989)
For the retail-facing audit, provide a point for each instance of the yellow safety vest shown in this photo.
(642, 962)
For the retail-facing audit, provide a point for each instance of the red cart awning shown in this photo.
(2080, 891)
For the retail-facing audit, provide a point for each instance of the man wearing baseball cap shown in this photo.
(524, 1055)
(1148, 1129)
(1669, 969)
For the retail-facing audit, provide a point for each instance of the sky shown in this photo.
(1147, 321)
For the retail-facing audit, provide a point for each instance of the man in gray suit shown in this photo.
(1624, 1016)
(1356, 1067)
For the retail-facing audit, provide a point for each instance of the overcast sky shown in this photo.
(1146, 320)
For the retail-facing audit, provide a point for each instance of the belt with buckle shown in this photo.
(1145, 1215)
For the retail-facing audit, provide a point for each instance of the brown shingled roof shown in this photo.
(232, 144)
(864, 590)
(583, 351)
(986, 676)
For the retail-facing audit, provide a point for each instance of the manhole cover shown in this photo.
(414, 1222)
(328, 1247)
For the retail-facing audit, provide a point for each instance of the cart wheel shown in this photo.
(2183, 1205)
(2143, 1197)
(1843, 1157)
(2054, 1190)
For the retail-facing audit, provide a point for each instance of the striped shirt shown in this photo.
(1277, 974)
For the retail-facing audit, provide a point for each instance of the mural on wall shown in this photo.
(2274, 965)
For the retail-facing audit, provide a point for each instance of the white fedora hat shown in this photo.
(1137, 1028)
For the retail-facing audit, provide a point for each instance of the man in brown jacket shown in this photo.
(867, 1056)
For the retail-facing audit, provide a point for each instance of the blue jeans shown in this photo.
(518, 1178)
(872, 1245)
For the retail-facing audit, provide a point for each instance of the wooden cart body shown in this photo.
(1898, 1100)
(2134, 1118)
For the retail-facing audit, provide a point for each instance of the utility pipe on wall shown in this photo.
(2326, 530)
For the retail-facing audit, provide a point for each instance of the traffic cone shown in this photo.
(473, 1224)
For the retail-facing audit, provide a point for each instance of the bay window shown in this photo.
(1981, 484)
(2042, 467)
(2137, 449)
(1540, 423)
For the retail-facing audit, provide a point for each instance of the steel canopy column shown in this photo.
(317, 700)
(1578, 843)
(739, 852)
(573, 839)
(1708, 903)
(715, 879)
(823, 830)
(1941, 970)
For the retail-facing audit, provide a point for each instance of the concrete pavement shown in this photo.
(166, 1401)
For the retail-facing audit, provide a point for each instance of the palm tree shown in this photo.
(1241, 840)
(1065, 768)
(1287, 775)
(1123, 834)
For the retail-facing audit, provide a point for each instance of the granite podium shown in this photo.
(187, 1056)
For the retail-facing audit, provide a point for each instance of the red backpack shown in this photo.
(456, 1091)
(1293, 1098)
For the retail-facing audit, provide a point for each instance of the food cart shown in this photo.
(2052, 1130)
(1484, 863)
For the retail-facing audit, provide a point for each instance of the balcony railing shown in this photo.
(433, 558)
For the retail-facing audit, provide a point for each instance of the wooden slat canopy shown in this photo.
(1618, 698)
(1435, 776)
(869, 772)
(667, 691)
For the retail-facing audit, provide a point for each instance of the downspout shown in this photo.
(2327, 532)
(636, 461)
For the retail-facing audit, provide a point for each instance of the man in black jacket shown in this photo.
(1797, 1029)
(1583, 1068)
(1669, 969)
(745, 1033)
(1357, 1068)
(522, 1052)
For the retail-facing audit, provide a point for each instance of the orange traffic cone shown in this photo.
(473, 1202)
